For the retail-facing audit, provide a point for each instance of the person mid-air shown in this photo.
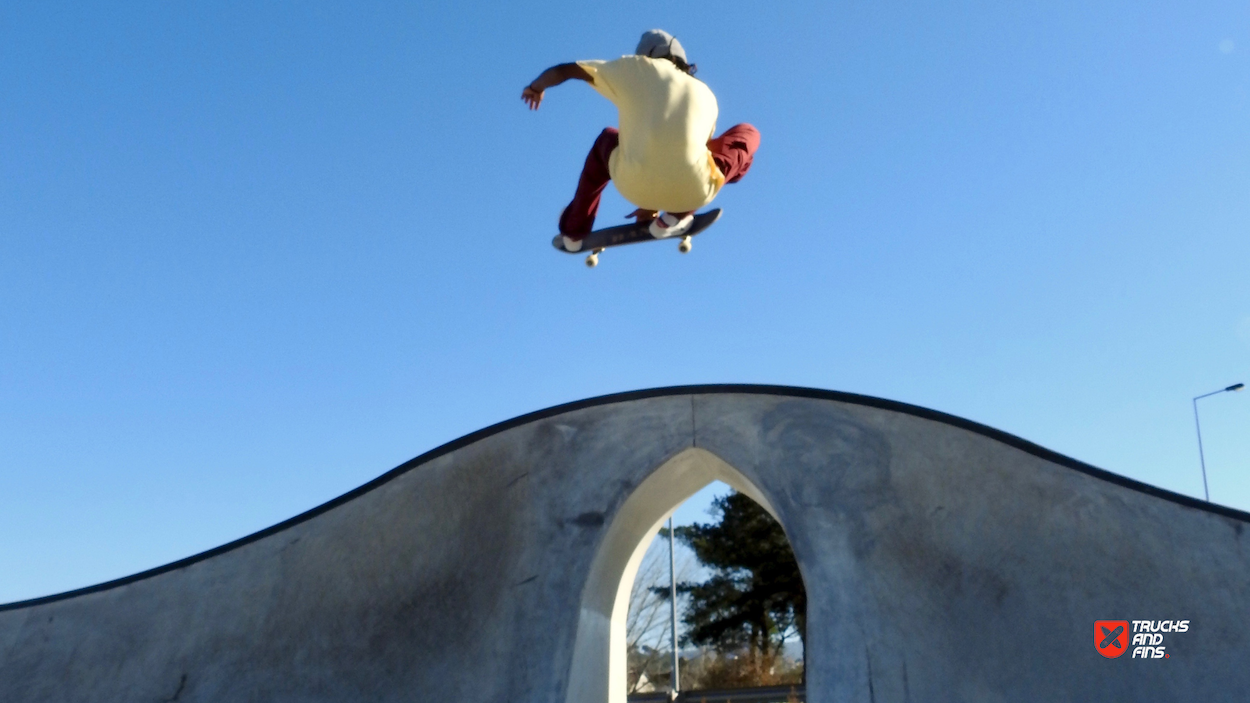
(663, 158)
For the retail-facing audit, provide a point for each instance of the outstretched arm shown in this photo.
(533, 93)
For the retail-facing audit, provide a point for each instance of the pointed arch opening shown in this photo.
(599, 670)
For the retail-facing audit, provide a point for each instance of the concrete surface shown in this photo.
(944, 561)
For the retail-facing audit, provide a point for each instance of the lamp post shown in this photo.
(672, 584)
(1198, 425)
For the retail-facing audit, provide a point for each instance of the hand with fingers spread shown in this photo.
(532, 97)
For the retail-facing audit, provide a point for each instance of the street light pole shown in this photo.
(672, 585)
(1198, 425)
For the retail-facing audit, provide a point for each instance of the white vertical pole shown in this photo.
(672, 584)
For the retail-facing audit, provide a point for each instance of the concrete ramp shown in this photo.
(943, 560)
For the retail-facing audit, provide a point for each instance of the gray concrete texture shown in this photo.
(943, 560)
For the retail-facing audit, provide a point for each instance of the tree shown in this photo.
(754, 600)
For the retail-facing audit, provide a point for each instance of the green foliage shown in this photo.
(754, 600)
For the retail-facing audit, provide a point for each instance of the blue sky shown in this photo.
(253, 255)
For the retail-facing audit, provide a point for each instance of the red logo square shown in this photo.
(1111, 637)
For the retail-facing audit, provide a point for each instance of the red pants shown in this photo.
(732, 151)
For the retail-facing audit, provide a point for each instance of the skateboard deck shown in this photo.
(609, 237)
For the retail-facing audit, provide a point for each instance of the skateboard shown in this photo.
(609, 237)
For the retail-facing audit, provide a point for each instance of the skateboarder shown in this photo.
(663, 158)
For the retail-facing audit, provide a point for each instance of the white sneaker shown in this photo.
(667, 225)
(570, 244)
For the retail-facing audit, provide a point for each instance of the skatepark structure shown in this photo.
(943, 561)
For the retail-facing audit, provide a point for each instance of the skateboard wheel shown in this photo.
(592, 260)
(684, 247)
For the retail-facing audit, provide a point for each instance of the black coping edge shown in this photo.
(720, 388)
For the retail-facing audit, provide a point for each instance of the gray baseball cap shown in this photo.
(659, 44)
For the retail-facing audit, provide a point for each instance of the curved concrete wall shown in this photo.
(944, 561)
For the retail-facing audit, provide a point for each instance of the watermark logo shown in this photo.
(1111, 637)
